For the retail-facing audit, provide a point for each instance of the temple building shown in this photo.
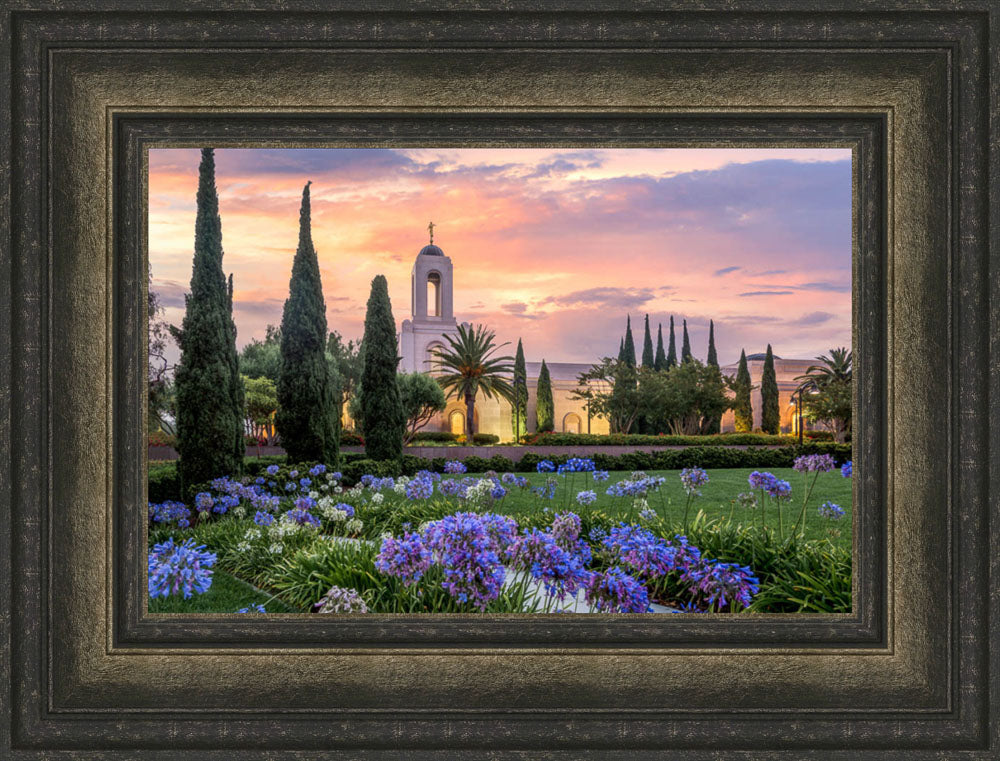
(432, 318)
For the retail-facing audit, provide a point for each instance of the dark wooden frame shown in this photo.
(907, 85)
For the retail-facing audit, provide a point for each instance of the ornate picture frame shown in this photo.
(92, 85)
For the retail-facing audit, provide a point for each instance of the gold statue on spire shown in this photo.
(430, 229)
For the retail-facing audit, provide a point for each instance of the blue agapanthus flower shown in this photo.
(317, 470)
(255, 608)
(545, 466)
(831, 511)
(454, 466)
(847, 469)
(271, 470)
(263, 519)
(184, 569)
(586, 497)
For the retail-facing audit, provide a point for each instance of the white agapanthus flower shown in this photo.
(353, 526)
(276, 549)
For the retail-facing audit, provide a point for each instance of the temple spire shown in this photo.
(430, 229)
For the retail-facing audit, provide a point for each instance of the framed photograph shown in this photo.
(496, 381)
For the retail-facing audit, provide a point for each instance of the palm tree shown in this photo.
(836, 367)
(826, 389)
(467, 367)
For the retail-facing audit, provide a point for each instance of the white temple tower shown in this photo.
(431, 309)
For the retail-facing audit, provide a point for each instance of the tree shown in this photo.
(686, 345)
(307, 418)
(660, 362)
(261, 400)
(688, 397)
(262, 359)
(611, 391)
(770, 415)
(712, 360)
(382, 409)
(629, 354)
(826, 390)
(647, 347)
(468, 366)
(519, 407)
(420, 397)
(742, 407)
(159, 397)
(672, 350)
(544, 404)
(209, 392)
(346, 357)
(621, 350)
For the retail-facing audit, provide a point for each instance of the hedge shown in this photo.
(618, 439)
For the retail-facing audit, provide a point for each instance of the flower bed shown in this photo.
(452, 543)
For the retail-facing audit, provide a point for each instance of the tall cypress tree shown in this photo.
(209, 390)
(685, 345)
(647, 347)
(381, 405)
(629, 343)
(714, 425)
(742, 407)
(621, 350)
(770, 416)
(672, 350)
(519, 409)
(660, 362)
(307, 419)
(713, 358)
(544, 405)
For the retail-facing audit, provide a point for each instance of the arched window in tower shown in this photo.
(434, 294)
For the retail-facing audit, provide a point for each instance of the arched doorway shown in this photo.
(571, 423)
(456, 422)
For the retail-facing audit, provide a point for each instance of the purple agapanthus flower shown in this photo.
(615, 591)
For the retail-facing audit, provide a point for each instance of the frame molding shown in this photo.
(92, 84)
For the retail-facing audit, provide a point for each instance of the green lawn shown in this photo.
(226, 595)
(716, 500)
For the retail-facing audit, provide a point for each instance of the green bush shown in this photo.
(351, 439)
(635, 439)
(164, 482)
(352, 471)
(485, 439)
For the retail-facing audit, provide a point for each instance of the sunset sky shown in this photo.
(553, 246)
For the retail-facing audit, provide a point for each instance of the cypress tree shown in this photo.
(544, 405)
(713, 358)
(629, 343)
(770, 417)
(715, 424)
(307, 419)
(209, 391)
(672, 350)
(742, 407)
(647, 347)
(660, 363)
(519, 410)
(621, 350)
(381, 404)
(686, 345)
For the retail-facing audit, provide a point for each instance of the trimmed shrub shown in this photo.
(484, 439)
(444, 437)
(351, 439)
